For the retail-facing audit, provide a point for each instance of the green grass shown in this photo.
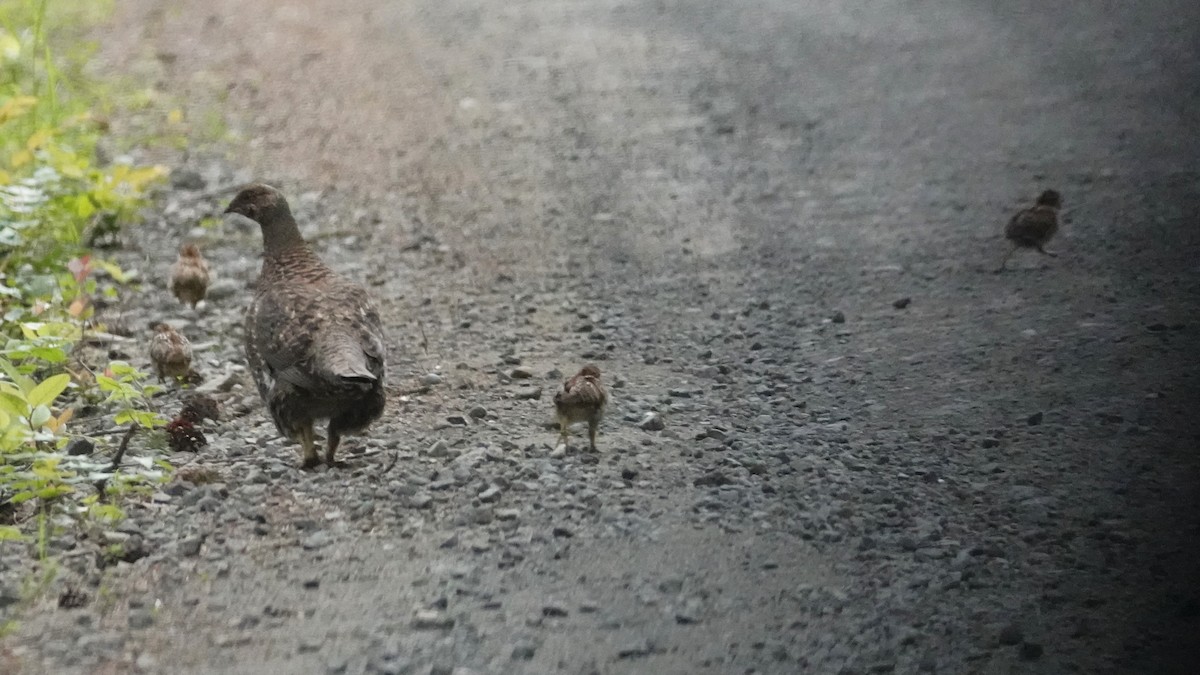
(57, 204)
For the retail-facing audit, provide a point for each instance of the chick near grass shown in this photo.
(582, 398)
(189, 275)
(170, 352)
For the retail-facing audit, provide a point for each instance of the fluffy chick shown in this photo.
(189, 275)
(1033, 227)
(170, 352)
(581, 399)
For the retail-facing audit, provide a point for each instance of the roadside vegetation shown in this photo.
(67, 412)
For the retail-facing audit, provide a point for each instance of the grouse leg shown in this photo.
(562, 431)
(309, 447)
(1006, 257)
(334, 439)
(593, 425)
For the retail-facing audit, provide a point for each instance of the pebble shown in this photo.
(528, 393)
(431, 380)
(523, 651)
(190, 546)
(651, 421)
(141, 618)
(317, 540)
(478, 412)
(491, 494)
(429, 619)
(1010, 635)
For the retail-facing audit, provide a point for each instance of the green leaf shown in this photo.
(106, 383)
(13, 404)
(47, 493)
(123, 417)
(10, 533)
(48, 354)
(120, 368)
(48, 390)
(40, 416)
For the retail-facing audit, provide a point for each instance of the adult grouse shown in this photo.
(313, 339)
(1033, 227)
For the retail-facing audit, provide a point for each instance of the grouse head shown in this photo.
(1050, 198)
(189, 251)
(266, 206)
(590, 371)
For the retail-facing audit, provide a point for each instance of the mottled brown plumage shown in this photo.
(581, 399)
(189, 275)
(1034, 227)
(170, 352)
(314, 340)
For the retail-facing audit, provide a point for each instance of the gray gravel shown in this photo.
(837, 442)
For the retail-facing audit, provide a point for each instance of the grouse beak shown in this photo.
(228, 209)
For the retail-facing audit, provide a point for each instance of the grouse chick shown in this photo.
(170, 352)
(189, 275)
(314, 341)
(1033, 227)
(582, 398)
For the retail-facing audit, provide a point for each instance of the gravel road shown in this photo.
(838, 442)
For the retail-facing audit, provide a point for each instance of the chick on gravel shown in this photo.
(582, 398)
(314, 340)
(189, 275)
(1033, 227)
(170, 352)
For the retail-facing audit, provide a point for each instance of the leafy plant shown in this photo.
(57, 201)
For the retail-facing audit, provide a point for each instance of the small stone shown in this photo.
(428, 619)
(520, 373)
(902, 303)
(439, 449)
(190, 546)
(523, 651)
(431, 380)
(187, 179)
(1034, 419)
(223, 288)
(1010, 635)
(309, 645)
(713, 478)
(629, 473)
(311, 583)
(989, 442)
(80, 446)
(491, 494)
(478, 412)
(1030, 651)
(317, 540)
(838, 317)
(554, 611)
(457, 420)
(141, 618)
(652, 421)
(528, 393)
(562, 532)
(507, 514)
